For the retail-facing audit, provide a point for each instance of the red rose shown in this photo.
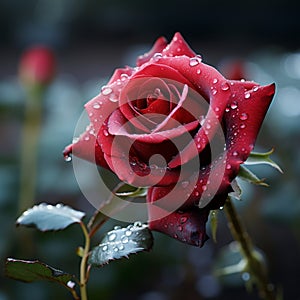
(177, 126)
(37, 66)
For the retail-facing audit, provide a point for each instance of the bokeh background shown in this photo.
(90, 39)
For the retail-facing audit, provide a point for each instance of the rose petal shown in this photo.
(158, 46)
(186, 226)
(178, 47)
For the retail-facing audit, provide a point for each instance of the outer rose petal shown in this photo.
(158, 46)
(186, 226)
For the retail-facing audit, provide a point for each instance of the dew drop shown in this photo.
(247, 95)
(245, 276)
(197, 193)
(204, 187)
(175, 236)
(184, 184)
(183, 220)
(112, 237)
(194, 61)
(105, 132)
(116, 249)
(214, 91)
(180, 228)
(68, 158)
(113, 98)
(255, 89)
(215, 80)
(244, 116)
(242, 126)
(208, 126)
(106, 90)
(221, 207)
(96, 106)
(128, 233)
(198, 71)
(124, 239)
(117, 227)
(157, 56)
(227, 109)
(225, 86)
(104, 248)
(233, 105)
(235, 153)
(228, 167)
(121, 247)
(124, 77)
(217, 109)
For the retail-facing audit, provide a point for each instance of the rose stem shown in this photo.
(29, 147)
(83, 264)
(256, 269)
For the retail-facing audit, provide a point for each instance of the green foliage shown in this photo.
(29, 271)
(256, 158)
(47, 217)
(121, 242)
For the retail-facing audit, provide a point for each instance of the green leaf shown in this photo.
(247, 175)
(47, 217)
(256, 158)
(121, 242)
(29, 271)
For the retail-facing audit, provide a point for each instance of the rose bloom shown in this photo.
(177, 126)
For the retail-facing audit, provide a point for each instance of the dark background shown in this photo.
(92, 38)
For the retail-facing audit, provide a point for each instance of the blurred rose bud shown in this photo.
(37, 66)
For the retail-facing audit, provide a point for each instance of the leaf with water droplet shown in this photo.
(34, 270)
(120, 243)
(47, 217)
(247, 175)
(256, 158)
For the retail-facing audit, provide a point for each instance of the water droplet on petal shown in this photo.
(180, 228)
(214, 91)
(255, 88)
(225, 86)
(117, 227)
(184, 184)
(105, 132)
(204, 187)
(124, 77)
(116, 249)
(242, 126)
(198, 71)
(228, 167)
(106, 90)
(68, 157)
(233, 105)
(157, 56)
(183, 220)
(104, 248)
(235, 153)
(227, 109)
(194, 61)
(244, 116)
(247, 95)
(96, 106)
(215, 80)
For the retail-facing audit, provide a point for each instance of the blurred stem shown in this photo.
(83, 266)
(255, 266)
(29, 147)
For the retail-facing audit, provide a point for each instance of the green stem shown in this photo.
(83, 265)
(256, 268)
(29, 147)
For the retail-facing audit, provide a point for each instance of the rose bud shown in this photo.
(176, 125)
(37, 66)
